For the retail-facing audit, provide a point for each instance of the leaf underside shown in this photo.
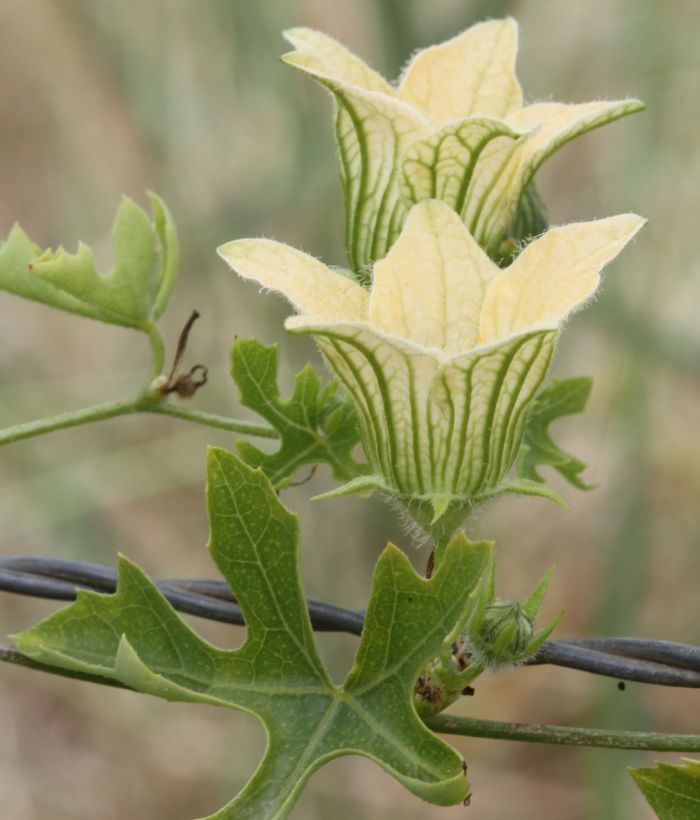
(135, 637)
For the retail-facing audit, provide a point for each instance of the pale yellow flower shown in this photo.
(443, 355)
(454, 128)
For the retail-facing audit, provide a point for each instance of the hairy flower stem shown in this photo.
(564, 735)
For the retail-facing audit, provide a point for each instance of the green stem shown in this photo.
(248, 428)
(141, 404)
(155, 337)
(563, 735)
(62, 421)
(150, 401)
(471, 727)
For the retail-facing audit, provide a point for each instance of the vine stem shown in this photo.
(248, 428)
(564, 735)
(471, 727)
(125, 407)
(62, 421)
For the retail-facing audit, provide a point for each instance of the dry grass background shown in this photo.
(188, 98)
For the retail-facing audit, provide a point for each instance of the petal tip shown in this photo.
(633, 104)
(628, 224)
(230, 251)
(292, 34)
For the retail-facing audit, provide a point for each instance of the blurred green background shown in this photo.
(189, 99)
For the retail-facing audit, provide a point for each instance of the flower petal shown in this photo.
(372, 131)
(429, 426)
(504, 168)
(308, 284)
(389, 380)
(473, 73)
(553, 275)
(489, 390)
(441, 165)
(431, 286)
(319, 53)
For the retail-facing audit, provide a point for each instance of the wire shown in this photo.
(664, 663)
(59, 579)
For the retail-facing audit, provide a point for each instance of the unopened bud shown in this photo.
(504, 634)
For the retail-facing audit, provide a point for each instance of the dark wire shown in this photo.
(634, 659)
(58, 579)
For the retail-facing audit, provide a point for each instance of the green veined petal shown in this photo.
(389, 380)
(504, 169)
(490, 390)
(435, 426)
(440, 166)
(373, 130)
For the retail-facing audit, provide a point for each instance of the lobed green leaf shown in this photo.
(136, 638)
(135, 292)
(17, 253)
(315, 424)
(560, 398)
(672, 791)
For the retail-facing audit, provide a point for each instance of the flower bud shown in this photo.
(504, 634)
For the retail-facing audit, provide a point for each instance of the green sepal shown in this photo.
(673, 791)
(136, 638)
(363, 485)
(315, 424)
(438, 520)
(544, 633)
(531, 605)
(440, 505)
(560, 398)
(136, 291)
(524, 486)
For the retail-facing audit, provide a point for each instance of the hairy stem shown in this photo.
(248, 428)
(564, 735)
(87, 415)
(141, 404)
(471, 727)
